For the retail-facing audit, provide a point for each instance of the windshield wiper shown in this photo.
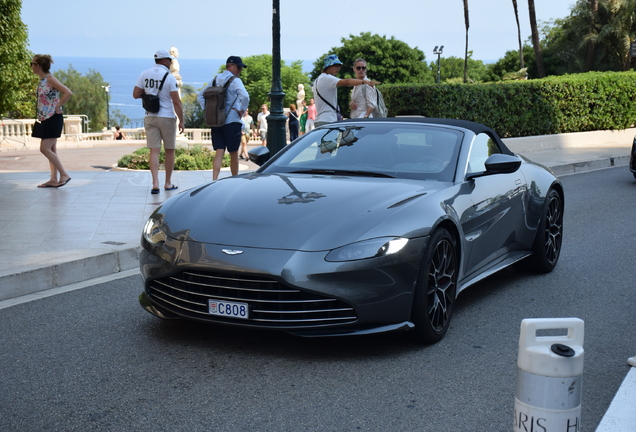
(344, 172)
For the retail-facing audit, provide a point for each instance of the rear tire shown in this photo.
(547, 243)
(436, 288)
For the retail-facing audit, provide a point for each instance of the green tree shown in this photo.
(595, 36)
(452, 68)
(117, 118)
(192, 111)
(17, 82)
(89, 98)
(510, 63)
(389, 61)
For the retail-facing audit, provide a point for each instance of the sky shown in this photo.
(216, 29)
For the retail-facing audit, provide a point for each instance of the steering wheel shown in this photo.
(431, 161)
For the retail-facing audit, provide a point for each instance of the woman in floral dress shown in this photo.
(52, 94)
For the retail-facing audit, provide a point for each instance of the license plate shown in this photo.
(228, 309)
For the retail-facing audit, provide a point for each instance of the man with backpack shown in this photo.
(160, 125)
(225, 119)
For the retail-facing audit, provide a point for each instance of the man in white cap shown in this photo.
(326, 90)
(161, 126)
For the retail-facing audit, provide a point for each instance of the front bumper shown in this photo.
(298, 292)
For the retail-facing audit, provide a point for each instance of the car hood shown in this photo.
(294, 211)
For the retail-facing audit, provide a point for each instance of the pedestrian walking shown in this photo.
(246, 133)
(293, 122)
(161, 126)
(311, 115)
(261, 119)
(303, 118)
(50, 119)
(228, 136)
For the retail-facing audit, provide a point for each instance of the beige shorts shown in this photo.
(160, 129)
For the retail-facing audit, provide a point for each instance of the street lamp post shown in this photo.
(439, 53)
(276, 136)
(106, 89)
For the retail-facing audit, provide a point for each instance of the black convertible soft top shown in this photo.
(465, 124)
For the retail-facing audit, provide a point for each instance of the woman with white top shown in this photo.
(363, 98)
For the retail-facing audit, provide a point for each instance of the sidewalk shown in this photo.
(91, 227)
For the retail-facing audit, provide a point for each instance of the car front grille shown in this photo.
(271, 304)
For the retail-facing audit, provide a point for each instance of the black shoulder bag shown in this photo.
(151, 102)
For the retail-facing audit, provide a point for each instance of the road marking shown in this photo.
(72, 287)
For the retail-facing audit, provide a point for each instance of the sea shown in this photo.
(121, 75)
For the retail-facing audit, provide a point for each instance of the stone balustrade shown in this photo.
(16, 134)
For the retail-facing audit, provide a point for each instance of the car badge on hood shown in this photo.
(231, 252)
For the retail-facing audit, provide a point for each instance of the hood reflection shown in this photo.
(296, 196)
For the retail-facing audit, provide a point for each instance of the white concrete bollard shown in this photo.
(549, 376)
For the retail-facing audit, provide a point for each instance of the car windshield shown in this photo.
(384, 149)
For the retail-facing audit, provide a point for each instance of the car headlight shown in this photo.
(373, 248)
(153, 232)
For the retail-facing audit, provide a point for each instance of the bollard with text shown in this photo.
(549, 375)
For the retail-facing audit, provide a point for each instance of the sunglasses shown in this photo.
(361, 68)
(34, 64)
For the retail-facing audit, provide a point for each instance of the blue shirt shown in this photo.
(236, 99)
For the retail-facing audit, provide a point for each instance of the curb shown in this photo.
(96, 264)
(579, 167)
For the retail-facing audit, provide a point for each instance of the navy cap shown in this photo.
(236, 60)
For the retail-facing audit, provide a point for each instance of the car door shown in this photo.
(492, 222)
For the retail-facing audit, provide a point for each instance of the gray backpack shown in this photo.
(380, 109)
(214, 111)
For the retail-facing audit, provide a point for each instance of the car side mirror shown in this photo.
(498, 163)
(259, 155)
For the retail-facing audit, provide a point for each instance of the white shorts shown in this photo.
(158, 129)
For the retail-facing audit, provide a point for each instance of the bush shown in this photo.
(185, 162)
(203, 162)
(198, 157)
(124, 161)
(140, 162)
(570, 103)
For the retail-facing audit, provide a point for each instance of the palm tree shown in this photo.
(604, 31)
(536, 44)
(514, 5)
(589, 58)
(466, 51)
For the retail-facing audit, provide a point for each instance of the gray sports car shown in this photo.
(358, 227)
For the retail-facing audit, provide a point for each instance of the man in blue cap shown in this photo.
(326, 89)
(228, 136)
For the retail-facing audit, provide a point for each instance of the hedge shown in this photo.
(196, 157)
(569, 103)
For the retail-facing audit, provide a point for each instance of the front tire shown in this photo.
(436, 288)
(547, 243)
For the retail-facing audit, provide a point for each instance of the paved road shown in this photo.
(73, 159)
(76, 159)
(92, 359)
